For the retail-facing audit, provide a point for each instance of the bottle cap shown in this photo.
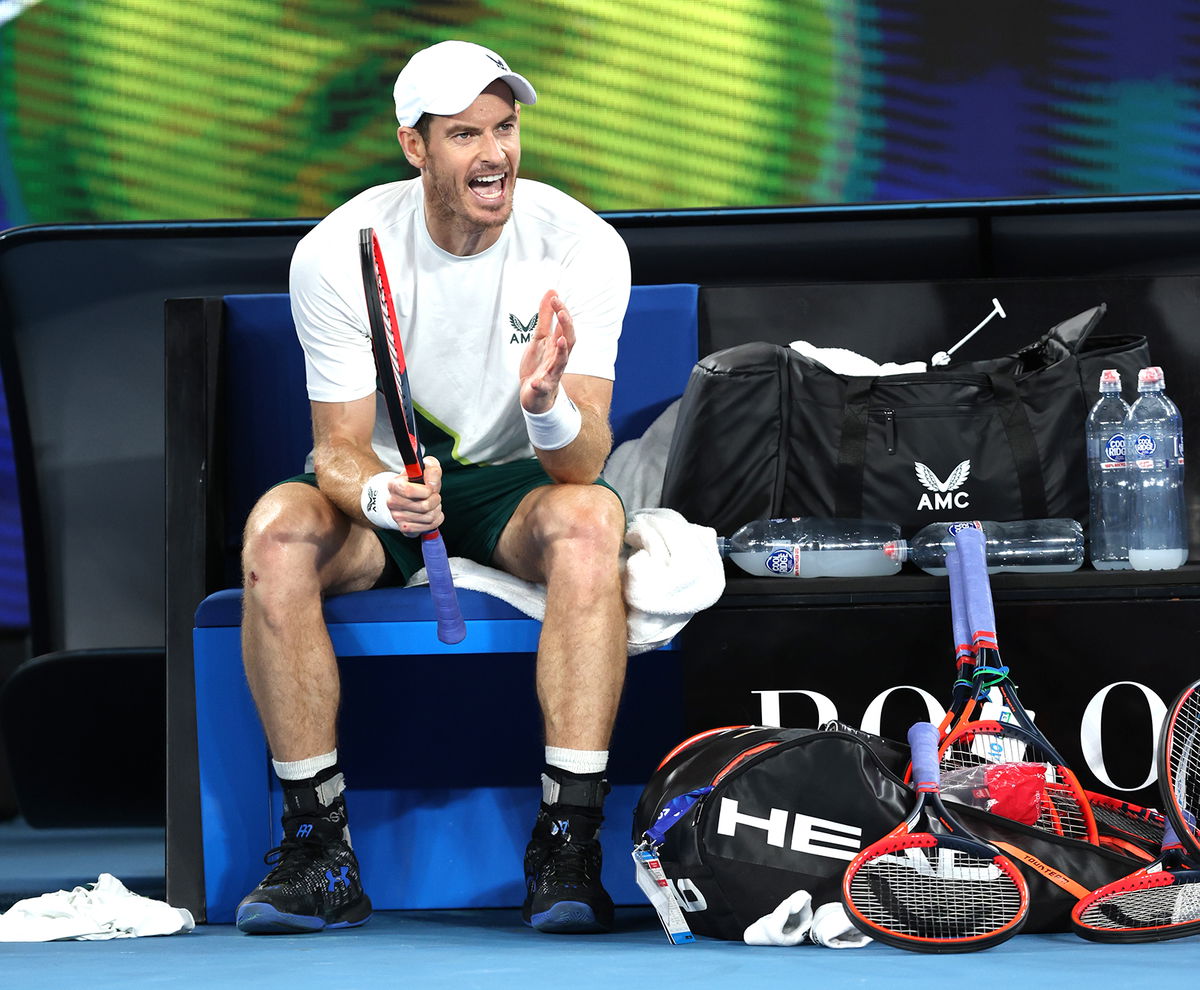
(1150, 378)
(896, 550)
(1110, 380)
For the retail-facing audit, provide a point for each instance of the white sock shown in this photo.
(577, 760)
(303, 769)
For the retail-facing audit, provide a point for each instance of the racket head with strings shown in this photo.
(1062, 808)
(941, 890)
(1126, 827)
(1156, 903)
(989, 668)
(1179, 767)
(393, 383)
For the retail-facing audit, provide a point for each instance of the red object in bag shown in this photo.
(1017, 790)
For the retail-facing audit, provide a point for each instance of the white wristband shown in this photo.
(557, 426)
(374, 500)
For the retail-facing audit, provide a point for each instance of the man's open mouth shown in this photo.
(489, 187)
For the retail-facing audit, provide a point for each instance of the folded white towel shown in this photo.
(788, 924)
(832, 929)
(672, 571)
(841, 361)
(102, 910)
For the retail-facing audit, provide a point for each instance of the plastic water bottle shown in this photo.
(1158, 538)
(1108, 488)
(813, 547)
(1032, 546)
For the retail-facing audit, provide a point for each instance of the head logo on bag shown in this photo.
(946, 494)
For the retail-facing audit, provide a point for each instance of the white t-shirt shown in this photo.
(464, 321)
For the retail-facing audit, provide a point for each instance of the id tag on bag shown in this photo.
(653, 883)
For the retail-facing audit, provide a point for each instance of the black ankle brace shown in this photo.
(576, 790)
(317, 802)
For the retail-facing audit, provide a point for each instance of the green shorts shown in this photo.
(478, 503)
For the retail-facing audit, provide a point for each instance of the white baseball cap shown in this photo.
(445, 78)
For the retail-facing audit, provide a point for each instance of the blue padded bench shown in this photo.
(441, 744)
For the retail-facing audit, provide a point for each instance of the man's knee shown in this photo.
(296, 541)
(587, 517)
(280, 519)
(291, 531)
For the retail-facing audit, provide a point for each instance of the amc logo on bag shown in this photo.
(946, 494)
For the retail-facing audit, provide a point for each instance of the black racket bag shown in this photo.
(787, 810)
(997, 439)
(761, 812)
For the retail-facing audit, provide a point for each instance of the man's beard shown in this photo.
(448, 207)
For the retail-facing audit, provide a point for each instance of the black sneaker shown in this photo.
(562, 876)
(314, 885)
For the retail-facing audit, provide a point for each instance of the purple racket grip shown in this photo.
(450, 625)
(959, 622)
(923, 738)
(1169, 838)
(977, 587)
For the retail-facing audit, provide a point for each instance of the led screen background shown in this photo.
(136, 110)
(144, 109)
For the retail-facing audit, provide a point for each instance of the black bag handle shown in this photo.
(852, 449)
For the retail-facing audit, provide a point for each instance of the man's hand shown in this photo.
(417, 508)
(545, 358)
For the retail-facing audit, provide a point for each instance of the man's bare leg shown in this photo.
(298, 547)
(569, 537)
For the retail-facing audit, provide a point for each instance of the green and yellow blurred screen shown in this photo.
(170, 109)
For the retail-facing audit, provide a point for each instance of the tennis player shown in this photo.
(510, 296)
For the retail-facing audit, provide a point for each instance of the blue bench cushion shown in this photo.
(224, 608)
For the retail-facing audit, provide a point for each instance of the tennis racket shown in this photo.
(1179, 767)
(989, 669)
(1062, 806)
(1156, 903)
(964, 650)
(393, 382)
(1127, 828)
(938, 890)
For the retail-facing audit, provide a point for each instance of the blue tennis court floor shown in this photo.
(491, 949)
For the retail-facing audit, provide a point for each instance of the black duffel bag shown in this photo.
(766, 432)
(779, 810)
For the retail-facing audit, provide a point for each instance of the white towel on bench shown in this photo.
(672, 571)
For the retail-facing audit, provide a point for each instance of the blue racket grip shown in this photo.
(977, 588)
(959, 624)
(450, 625)
(923, 739)
(1170, 838)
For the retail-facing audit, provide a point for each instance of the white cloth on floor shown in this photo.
(841, 361)
(788, 924)
(672, 571)
(832, 929)
(102, 910)
(794, 922)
